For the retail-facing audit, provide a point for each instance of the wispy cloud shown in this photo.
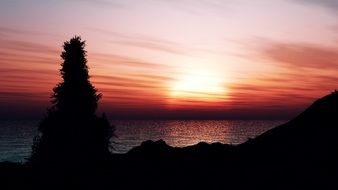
(304, 70)
(124, 61)
(303, 55)
(25, 46)
(141, 41)
(199, 7)
(150, 44)
(102, 3)
(132, 81)
(13, 33)
(329, 4)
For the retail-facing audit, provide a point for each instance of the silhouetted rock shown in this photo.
(151, 148)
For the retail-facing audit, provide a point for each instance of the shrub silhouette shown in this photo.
(71, 133)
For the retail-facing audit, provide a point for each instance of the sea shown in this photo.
(16, 136)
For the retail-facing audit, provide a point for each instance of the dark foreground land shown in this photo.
(301, 154)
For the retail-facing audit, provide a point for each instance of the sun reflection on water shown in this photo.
(180, 133)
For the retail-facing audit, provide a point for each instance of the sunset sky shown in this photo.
(239, 59)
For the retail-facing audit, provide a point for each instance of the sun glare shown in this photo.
(197, 85)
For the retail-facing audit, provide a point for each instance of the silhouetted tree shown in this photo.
(71, 133)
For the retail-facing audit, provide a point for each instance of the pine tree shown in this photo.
(71, 133)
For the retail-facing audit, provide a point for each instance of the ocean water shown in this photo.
(16, 137)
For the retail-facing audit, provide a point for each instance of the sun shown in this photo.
(199, 84)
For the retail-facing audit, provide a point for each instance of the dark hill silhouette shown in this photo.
(314, 131)
(303, 150)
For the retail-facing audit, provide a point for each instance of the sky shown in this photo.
(173, 59)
